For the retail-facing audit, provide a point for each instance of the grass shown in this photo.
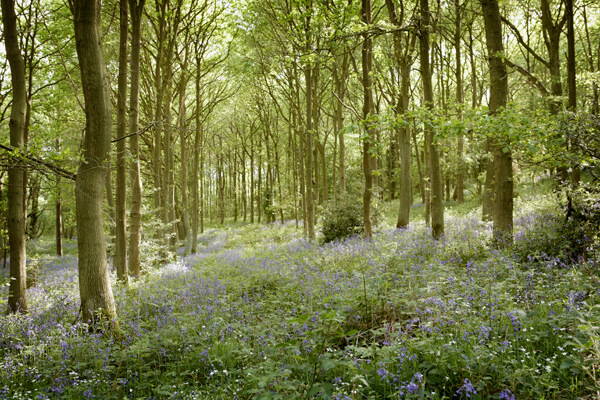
(261, 313)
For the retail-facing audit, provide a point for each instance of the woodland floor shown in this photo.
(261, 313)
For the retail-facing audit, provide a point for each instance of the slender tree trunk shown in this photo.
(135, 216)
(571, 61)
(196, 167)
(405, 194)
(94, 282)
(435, 179)
(17, 301)
(552, 33)
(503, 180)
(595, 106)
(184, 169)
(121, 191)
(367, 61)
(460, 173)
(487, 206)
(340, 76)
(308, 152)
(571, 76)
(58, 223)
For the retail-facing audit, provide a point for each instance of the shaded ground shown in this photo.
(261, 313)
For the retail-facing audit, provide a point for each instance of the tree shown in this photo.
(433, 160)
(94, 283)
(367, 65)
(16, 174)
(137, 11)
(120, 199)
(503, 178)
(404, 45)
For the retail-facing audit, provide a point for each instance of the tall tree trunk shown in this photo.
(460, 173)
(308, 152)
(340, 76)
(405, 181)
(16, 175)
(487, 206)
(435, 179)
(404, 57)
(121, 190)
(571, 76)
(552, 32)
(367, 61)
(503, 180)
(196, 164)
(94, 282)
(184, 168)
(58, 223)
(571, 61)
(135, 216)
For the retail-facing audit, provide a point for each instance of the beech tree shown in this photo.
(94, 281)
(503, 177)
(16, 174)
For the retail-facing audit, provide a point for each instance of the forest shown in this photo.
(300, 199)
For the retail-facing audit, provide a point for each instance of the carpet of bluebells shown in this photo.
(259, 313)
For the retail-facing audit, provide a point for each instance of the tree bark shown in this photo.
(121, 190)
(58, 224)
(135, 216)
(503, 180)
(367, 62)
(94, 282)
(308, 151)
(17, 301)
(460, 173)
(435, 179)
(571, 61)
(404, 58)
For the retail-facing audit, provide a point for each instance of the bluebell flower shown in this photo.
(467, 389)
(417, 377)
(412, 388)
(506, 394)
(382, 372)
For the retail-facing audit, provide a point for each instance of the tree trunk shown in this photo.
(184, 167)
(503, 181)
(58, 224)
(571, 77)
(552, 32)
(435, 179)
(308, 152)
(135, 216)
(94, 282)
(16, 175)
(367, 61)
(571, 62)
(340, 76)
(487, 205)
(196, 165)
(121, 193)
(404, 57)
(460, 173)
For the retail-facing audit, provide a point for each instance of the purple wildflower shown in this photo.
(467, 389)
(382, 372)
(417, 377)
(506, 394)
(412, 388)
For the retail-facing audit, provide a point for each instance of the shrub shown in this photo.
(340, 219)
(559, 240)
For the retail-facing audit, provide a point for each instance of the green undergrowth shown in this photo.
(259, 313)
